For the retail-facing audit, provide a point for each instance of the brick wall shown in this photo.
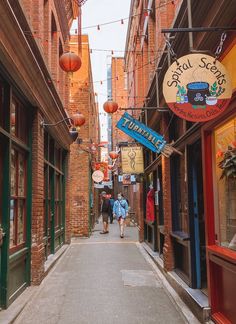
(37, 247)
(39, 15)
(119, 95)
(47, 31)
(82, 99)
(139, 58)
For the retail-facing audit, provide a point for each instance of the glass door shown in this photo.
(196, 217)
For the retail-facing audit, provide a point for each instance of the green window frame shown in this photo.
(54, 198)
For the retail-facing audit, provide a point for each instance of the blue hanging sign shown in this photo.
(141, 133)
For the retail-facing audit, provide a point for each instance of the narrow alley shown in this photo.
(102, 279)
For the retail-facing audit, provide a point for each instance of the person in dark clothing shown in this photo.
(105, 210)
(111, 209)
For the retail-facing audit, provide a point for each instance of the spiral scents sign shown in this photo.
(197, 87)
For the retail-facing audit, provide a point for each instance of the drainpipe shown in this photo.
(190, 25)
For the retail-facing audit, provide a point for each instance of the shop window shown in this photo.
(225, 181)
(18, 198)
(176, 129)
(19, 120)
(53, 195)
(58, 201)
(179, 194)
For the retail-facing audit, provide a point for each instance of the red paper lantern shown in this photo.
(78, 119)
(113, 155)
(70, 62)
(110, 107)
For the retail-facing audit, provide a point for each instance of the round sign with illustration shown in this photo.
(197, 87)
(97, 176)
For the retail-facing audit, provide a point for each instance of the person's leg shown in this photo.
(122, 227)
(111, 218)
(105, 223)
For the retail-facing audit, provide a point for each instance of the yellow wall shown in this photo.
(230, 63)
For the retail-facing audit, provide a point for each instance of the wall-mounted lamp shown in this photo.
(76, 120)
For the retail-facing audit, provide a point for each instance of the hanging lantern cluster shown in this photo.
(70, 62)
(110, 107)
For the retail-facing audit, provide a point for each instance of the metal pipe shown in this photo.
(157, 89)
(197, 29)
(190, 24)
(164, 109)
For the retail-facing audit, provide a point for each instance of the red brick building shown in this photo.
(193, 232)
(34, 204)
(82, 99)
(119, 95)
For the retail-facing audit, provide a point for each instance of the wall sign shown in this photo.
(132, 159)
(144, 135)
(197, 88)
(97, 176)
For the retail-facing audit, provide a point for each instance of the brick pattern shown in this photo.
(119, 95)
(37, 248)
(43, 19)
(139, 82)
(82, 99)
(39, 14)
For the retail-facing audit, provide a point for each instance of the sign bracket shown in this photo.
(197, 29)
(160, 109)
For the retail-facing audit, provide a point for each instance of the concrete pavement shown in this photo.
(102, 279)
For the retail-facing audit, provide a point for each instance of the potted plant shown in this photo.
(228, 163)
(215, 92)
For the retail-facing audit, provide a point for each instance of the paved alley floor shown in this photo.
(102, 279)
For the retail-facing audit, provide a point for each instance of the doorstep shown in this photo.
(52, 258)
(9, 315)
(195, 299)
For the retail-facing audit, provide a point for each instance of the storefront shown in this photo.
(220, 206)
(32, 201)
(153, 207)
(15, 192)
(188, 219)
(220, 192)
(54, 195)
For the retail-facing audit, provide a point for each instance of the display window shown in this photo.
(179, 193)
(224, 166)
(53, 195)
(18, 198)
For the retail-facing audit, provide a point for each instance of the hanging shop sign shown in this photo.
(126, 179)
(144, 135)
(98, 186)
(103, 167)
(197, 87)
(97, 176)
(132, 178)
(132, 159)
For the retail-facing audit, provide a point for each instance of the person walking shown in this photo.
(111, 201)
(105, 210)
(120, 211)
